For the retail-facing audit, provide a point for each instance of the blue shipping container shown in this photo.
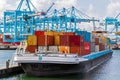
(86, 35)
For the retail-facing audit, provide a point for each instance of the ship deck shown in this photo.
(57, 58)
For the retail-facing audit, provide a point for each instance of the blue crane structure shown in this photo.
(64, 20)
(115, 22)
(17, 23)
(20, 23)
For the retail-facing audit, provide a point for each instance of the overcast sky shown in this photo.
(97, 8)
(94, 8)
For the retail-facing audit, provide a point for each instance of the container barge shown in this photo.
(59, 53)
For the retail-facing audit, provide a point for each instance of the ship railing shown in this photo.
(54, 54)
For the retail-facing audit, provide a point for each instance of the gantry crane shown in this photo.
(17, 24)
(115, 22)
(20, 23)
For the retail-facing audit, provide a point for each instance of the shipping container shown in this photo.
(42, 48)
(100, 40)
(45, 40)
(31, 49)
(16, 43)
(7, 43)
(92, 37)
(87, 35)
(101, 47)
(96, 48)
(104, 39)
(50, 33)
(82, 50)
(81, 33)
(74, 40)
(75, 50)
(64, 40)
(1, 36)
(53, 48)
(64, 49)
(92, 46)
(68, 33)
(57, 40)
(81, 39)
(58, 33)
(38, 33)
(1, 40)
(32, 40)
(87, 48)
(96, 41)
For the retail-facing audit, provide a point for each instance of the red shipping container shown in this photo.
(68, 33)
(31, 49)
(74, 40)
(86, 48)
(7, 43)
(96, 41)
(82, 50)
(81, 39)
(1, 40)
(101, 47)
(38, 33)
(16, 43)
(45, 40)
(64, 40)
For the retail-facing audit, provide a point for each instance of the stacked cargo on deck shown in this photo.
(79, 42)
(86, 42)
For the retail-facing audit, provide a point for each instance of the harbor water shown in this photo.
(107, 71)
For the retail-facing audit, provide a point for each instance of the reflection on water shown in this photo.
(106, 71)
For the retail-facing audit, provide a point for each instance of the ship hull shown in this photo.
(53, 69)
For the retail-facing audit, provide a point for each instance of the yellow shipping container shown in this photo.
(104, 39)
(50, 33)
(58, 33)
(57, 40)
(64, 49)
(32, 40)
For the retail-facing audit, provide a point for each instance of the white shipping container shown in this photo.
(92, 47)
(100, 40)
(42, 48)
(96, 48)
(53, 48)
(92, 37)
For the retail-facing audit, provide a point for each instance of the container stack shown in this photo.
(31, 43)
(92, 47)
(80, 42)
(86, 43)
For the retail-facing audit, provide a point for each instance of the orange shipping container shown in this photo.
(31, 49)
(75, 50)
(45, 40)
(64, 49)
